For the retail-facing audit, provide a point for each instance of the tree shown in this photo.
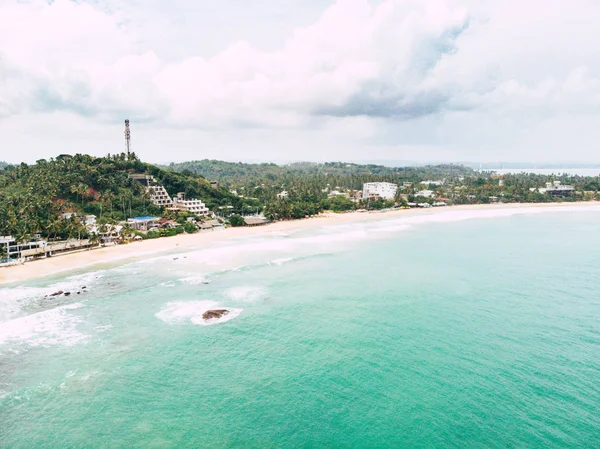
(237, 220)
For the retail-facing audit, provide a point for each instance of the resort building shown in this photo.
(282, 194)
(557, 189)
(158, 194)
(143, 223)
(385, 190)
(193, 206)
(11, 249)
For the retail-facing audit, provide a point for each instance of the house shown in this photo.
(143, 223)
(425, 193)
(559, 190)
(167, 223)
(255, 221)
(282, 194)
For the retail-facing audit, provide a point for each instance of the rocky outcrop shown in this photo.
(58, 293)
(213, 314)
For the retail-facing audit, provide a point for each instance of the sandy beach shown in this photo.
(123, 253)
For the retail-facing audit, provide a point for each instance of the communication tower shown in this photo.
(127, 138)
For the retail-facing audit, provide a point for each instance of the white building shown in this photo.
(282, 194)
(385, 190)
(159, 196)
(193, 206)
(434, 183)
(10, 248)
(425, 193)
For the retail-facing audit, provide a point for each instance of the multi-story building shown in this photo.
(10, 248)
(158, 194)
(193, 206)
(385, 190)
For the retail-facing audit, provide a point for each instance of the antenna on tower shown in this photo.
(127, 138)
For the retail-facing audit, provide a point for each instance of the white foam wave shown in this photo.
(246, 293)
(281, 261)
(194, 280)
(51, 327)
(13, 300)
(181, 312)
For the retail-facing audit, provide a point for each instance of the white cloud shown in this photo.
(417, 75)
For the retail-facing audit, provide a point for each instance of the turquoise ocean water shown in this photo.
(465, 329)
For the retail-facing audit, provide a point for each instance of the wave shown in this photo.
(195, 280)
(13, 301)
(246, 293)
(51, 327)
(182, 312)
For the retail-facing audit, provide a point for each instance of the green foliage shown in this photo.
(236, 220)
(190, 228)
(338, 204)
(33, 197)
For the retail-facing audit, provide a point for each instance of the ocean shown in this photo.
(460, 329)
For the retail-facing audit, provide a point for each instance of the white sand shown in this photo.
(68, 262)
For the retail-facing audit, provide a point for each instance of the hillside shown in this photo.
(33, 197)
(237, 173)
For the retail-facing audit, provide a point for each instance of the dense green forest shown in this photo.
(309, 184)
(34, 197)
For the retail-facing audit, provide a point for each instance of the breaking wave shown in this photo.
(182, 312)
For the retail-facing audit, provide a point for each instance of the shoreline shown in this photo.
(123, 253)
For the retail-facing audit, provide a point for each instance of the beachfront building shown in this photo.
(557, 189)
(385, 190)
(256, 220)
(11, 249)
(143, 223)
(193, 206)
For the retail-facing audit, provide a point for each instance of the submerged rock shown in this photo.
(58, 293)
(212, 314)
(67, 293)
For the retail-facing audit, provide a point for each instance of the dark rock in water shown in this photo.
(58, 293)
(79, 293)
(67, 293)
(212, 314)
(83, 288)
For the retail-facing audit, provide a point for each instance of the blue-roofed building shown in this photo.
(143, 223)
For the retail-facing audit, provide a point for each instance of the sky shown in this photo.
(290, 80)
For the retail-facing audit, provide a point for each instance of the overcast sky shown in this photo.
(286, 80)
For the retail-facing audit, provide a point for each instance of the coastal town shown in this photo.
(77, 203)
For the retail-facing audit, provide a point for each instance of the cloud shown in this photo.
(357, 59)
(420, 73)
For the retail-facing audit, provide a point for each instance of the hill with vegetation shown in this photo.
(310, 186)
(34, 198)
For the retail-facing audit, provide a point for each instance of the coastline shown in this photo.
(123, 253)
